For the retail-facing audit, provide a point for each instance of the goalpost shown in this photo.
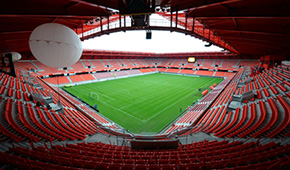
(94, 96)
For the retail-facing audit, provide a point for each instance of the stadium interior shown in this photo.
(241, 123)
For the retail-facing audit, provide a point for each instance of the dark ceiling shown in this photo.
(252, 27)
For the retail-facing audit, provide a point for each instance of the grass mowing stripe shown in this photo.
(144, 103)
(170, 105)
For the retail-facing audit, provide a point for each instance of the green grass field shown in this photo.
(144, 103)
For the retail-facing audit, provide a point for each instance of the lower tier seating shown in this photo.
(199, 155)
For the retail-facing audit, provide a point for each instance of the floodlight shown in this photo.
(191, 59)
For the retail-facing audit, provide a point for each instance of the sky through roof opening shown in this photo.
(161, 42)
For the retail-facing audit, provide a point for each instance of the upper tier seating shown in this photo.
(116, 64)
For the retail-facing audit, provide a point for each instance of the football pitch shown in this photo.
(144, 103)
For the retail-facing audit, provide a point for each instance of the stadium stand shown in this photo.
(76, 78)
(87, 77)
(222, 74)
(127, 63)
(206, 73)
(103, 75)
(114, 64)
(241, 123)
(81, 66)
(132, 72)
(163, 69)
(186, 71)
(27, 65)
(209, 115)
(199, 155)
(86, 63)
(144, 70)
(46, 72)
(227, 64)
(138, 62)
(249, 122)
(207, 64)
(173, 70)
(98, 64)
(120, 73)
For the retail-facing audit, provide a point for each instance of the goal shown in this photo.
(94, 96)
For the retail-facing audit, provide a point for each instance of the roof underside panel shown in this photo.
(18, 18)
(252, 27)
(257, 27)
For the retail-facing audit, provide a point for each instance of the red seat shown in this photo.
(2, 89)
(286, 119)
(250, 121)
(141, 166)
(153, 167)
(194, 166)
(281, 87)
(273, 90)
(103, 166)
(244, 116)
(128, 166)
(273, 119)
(115, 166)
(10, 92)
(225, 123)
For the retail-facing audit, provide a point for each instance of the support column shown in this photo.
(101, 22)
(170, 19)
(82, 31)
(108, 22)
(176, 18)
(208, 34)
(193, 23)
(120, 21)
(185, 20)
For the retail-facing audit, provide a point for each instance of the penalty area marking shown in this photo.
(122, 111)
(100, 94)
(166, 108)
(142, 99)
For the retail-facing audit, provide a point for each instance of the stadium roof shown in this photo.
(251, 27)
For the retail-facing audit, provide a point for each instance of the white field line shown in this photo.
(187, 95)
(122, 111)
(124, 91)
(107, 96)
(143, 99)
(119, 109)
(101, 94)
(167, 107)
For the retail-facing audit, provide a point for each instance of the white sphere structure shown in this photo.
(55, 45)
(15, 56)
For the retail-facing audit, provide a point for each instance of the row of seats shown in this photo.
(103, 64)
(268, 115)
(74, 125)
(35, 122)
(198, 111)
(200, 155)
(104, 75)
